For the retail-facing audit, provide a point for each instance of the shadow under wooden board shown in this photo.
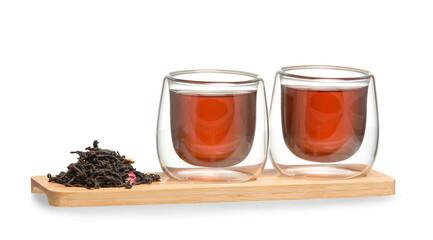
(268, 186)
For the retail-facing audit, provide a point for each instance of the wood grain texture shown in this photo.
(269, 186)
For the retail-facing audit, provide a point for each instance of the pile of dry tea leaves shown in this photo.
(100, 168)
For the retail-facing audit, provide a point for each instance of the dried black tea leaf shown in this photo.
(99, 168)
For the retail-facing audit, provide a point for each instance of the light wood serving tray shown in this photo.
(268, 186)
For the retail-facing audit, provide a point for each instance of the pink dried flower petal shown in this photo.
(132, 178)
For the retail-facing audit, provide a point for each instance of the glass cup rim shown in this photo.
(364, 74)
(174, 76)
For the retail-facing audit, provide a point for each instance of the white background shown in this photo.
(75, 71)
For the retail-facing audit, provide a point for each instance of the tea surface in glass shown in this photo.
(212, 129)
(323, 125)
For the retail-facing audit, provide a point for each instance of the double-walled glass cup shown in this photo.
(212, 126)
(323, 122)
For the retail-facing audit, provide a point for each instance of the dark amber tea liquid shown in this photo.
(212, 130)
(323, 125)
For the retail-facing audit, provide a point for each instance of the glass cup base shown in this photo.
(329, 171)
(214, 175)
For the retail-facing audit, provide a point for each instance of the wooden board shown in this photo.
(269, 186)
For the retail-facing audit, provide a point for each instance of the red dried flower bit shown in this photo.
(132, 178)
